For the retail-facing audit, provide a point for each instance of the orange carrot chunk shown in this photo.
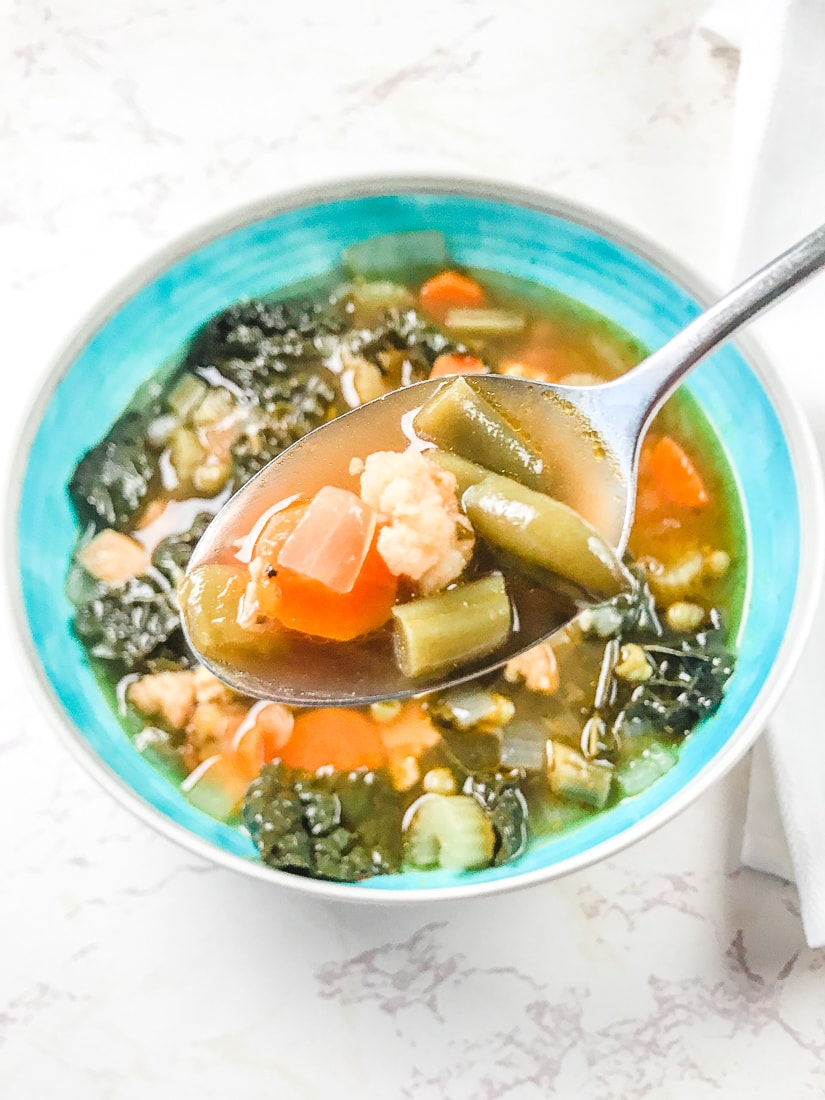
(450, 290)
(334, 737)
(303, 603)
(675, 476)
(331, 540)
(456, 363)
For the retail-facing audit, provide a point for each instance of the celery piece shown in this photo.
(211, 599)
(459, 420)
(573, 777)
(484, 322)
(536, 529)
(186, 395)
(452, 627)
(380, 295)
(652, 762)
(395, 253)
(449, 831)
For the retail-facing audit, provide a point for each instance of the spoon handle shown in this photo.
(651, 383)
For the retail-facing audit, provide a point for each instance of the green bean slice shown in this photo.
(453, 627)
(459, 420)
(536, 529)
(484, 322)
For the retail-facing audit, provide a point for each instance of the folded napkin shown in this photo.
(777, 194)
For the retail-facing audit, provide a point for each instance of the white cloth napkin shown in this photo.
(777, 194)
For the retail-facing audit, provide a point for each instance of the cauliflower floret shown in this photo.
(538, 668)
(169, 696)
(426, 538)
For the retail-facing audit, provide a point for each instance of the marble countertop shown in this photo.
(129, 968)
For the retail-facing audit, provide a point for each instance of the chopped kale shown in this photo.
(325, 825)
(401, 334)
(131, 623)
(172, 554)
(256, 338)
(113, 480)
(294, 406)
(687, 684)
(501, 797)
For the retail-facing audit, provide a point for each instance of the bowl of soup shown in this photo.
(235, 344)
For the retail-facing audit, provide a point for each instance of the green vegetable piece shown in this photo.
(449, 831)
(466, 473)
(459, 420)
(484, 322)
(129, 623)
(113, 481)
(453, 627)
(687, 684)
(210, 600)
(539, 531)
(394, 254)
(651, 762)
(291, 407)
(186, 396)
(573, 777)
(376, 296)
(505, 803)
(301, 823)
(172, 554)
(185, 453)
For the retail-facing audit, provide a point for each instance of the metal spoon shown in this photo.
(598, 428)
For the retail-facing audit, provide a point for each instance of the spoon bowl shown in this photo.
(307, 671)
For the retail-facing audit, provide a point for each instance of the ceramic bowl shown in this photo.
(147, 318)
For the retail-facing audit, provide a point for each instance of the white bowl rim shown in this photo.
(798, 435)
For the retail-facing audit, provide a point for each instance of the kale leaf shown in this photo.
(113, 480)
(293, 406)
(255, 339)
(131, 623)
(501, 797)
(401, 334)
(172, 554)
(687, 684)
(317, 825)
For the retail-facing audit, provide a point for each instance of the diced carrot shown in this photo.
(675, 476)
(262, 735)
(456, 363)
(331, 539)
(410, 733)
(334, 737)
(450, 290)
(312, 608)
(305, 605)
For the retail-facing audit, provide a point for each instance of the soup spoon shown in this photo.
(597, 429)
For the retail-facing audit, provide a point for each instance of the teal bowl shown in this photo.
(147, 319)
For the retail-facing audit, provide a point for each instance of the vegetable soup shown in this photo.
(461, 778)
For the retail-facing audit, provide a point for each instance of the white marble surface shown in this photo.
(129, 969)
